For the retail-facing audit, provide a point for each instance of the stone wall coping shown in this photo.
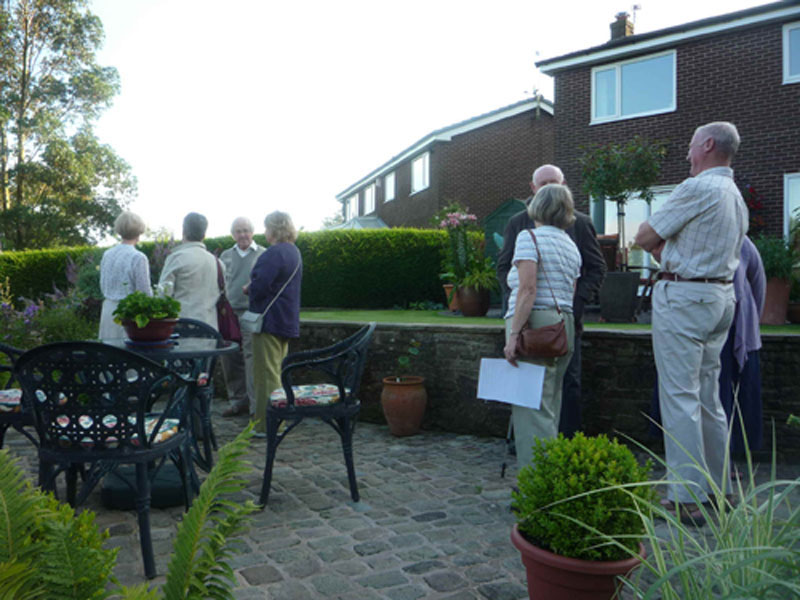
(592, 332)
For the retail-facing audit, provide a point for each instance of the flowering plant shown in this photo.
(755, 204)
(465, 264)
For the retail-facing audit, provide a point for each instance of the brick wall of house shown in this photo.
(734, 76)
(483, 168)
(407, 209)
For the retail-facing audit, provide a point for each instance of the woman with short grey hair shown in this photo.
(123, 270)
(275, 287)
(542, 282)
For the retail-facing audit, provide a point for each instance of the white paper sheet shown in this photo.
(522, 385)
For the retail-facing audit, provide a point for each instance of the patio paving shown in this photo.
(433, 521)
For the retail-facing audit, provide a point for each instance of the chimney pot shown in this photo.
(622, 26)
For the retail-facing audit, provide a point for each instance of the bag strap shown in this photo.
(285, 283)
(220, 278)
(539, 254)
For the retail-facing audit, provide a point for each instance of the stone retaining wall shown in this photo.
(618, 376)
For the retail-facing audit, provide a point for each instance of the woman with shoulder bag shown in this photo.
(546, 265)
(274, 293)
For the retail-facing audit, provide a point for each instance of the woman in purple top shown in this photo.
(275, 287)
(740, 376)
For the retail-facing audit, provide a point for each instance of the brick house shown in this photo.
(481, 162)
(742, 67)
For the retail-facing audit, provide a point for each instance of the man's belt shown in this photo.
(675, 277)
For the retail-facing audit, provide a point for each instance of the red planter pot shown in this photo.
(404, 403)
(157, 330)
(776, 303)
(554, 577)
(472, 302)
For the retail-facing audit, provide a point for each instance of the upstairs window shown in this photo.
(352, 207)
(388, 187)
(634, 88)
(791, 53)
(791, 200)
(419, 173)
(369, 199)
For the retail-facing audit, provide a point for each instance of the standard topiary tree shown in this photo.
(617, 172)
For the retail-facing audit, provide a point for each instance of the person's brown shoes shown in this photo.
(235, 411)
(689, 514)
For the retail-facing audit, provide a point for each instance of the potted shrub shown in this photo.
(147, 318)
(778, 257)
(793, 312)
(578, 527)
(403, 397)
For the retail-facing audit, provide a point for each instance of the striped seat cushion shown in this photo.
(10, 400)
(307, 395)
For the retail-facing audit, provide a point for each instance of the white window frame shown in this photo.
(369, 199)
(788, 77)
(425, 162)
(788, 180)
(351, 208)
(618, 116)
(388, 187)
(610, 209)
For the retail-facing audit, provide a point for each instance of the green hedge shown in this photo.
(33, 273)
(376, 268)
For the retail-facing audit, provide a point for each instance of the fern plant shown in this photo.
(48, 551)
(199, 567)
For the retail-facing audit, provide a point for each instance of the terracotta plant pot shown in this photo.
(793, 314)
(554, 577)
(776, 304)
(450, 297)
(157, 330)
(472, 302)
(404, 400)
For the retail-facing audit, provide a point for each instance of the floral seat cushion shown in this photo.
(10, 400)
(321, 394)
(168, 428)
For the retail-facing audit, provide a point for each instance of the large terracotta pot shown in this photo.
(157, 330)
(554, 577)
(472, 302)
(793, 314)
(404, 400)
(451, 297)
(776, 303)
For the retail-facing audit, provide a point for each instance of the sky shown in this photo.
(249, 106)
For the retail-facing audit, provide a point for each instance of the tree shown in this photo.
(58, 184)
(616, 172)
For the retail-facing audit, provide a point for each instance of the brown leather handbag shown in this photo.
(549, 341)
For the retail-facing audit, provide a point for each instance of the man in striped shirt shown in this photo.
(697, 236)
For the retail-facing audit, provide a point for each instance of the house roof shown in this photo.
(445, 134)
(654, 40)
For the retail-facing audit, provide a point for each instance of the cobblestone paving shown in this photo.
(433, 520)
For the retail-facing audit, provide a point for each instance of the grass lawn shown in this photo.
(442, 318)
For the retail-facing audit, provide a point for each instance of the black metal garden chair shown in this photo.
(333, 397)
(91, 408)
(202, 370)
(11, 407)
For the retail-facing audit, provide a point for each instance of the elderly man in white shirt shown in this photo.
(697, 236)
(238, 368)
